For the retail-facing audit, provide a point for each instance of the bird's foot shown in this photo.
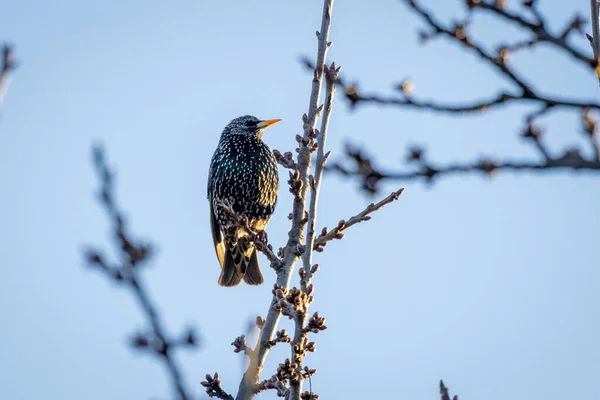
(262, 236)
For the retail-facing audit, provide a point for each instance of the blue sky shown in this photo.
(491, 285)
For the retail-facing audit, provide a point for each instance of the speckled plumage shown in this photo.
(243, 171)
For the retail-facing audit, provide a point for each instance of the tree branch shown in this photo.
(364, 215)
(8, 65)
(297, 301)
(459, 34)
(363, 168)
(331, 74)
(299, 181)
(213, 387)
(538, 28)
(407, 100)
(127, 273)
(444, 392)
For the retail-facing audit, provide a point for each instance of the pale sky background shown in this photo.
(492, 285)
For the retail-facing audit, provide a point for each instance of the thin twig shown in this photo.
(8, 65)
(406, 100)
(459, 35)
(331, 74)
(533, 22)
(538, 28)
(133, 256)
(364, 215)
(371, 176)
(444, 392)
(214, 389)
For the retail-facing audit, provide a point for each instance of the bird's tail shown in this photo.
(241, 263)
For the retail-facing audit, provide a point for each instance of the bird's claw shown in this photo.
(262, 236)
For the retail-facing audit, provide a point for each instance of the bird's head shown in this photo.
(248, 125)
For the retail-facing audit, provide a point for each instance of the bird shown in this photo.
(243, 172)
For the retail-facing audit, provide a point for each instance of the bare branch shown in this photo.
(538, 28)
(286, 160)
(406, 100)
(444, 392)
(294, 304)
(127, 273)
(364, 215)
(8, 65)
(276, 384)
(213, 387)
(363, 168)
(240, 346)
(371, 176)
(249, 384)
(315, 183)
(459, 34)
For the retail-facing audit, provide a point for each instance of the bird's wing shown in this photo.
(215, 228)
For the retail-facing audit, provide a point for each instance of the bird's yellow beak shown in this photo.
(267, 123)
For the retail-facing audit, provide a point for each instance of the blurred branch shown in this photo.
(444, 392)
(458, 33)
(532, 21)
(538, 27)
(213, 387)
(405, 99)
(8, 65)
(133, 256)
(364, 169)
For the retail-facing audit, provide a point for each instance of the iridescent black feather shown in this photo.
(243, 171)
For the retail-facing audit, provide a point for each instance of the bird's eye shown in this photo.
(250, 123)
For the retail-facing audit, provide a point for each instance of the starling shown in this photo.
(243, 172)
